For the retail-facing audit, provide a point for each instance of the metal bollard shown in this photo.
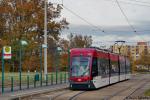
(56, 76)
(12, 84)
(52, 79)
(60, 78)
(65, 77)
(34, 82)
(28, 82)
(46, 79)
(41, 79)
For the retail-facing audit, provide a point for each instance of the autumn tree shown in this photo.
(133, 64)
(64, 44)
(63, 54)
(144, 60)
(75, 41)
(24, 20)
(80, 41)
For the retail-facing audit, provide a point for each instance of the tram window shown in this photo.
(99, 68)
(104, 67)
(114, 68)
(128, 66)
(94, 67)
(122, 67)
(80, 66)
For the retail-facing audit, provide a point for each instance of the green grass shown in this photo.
(61, 75)
(147, 93)
(24, 74)
(144, 72)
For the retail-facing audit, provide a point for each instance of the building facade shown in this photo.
(133, 51)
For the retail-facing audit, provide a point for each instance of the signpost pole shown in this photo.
(20, 67)
(2, 72)
(56, 66)
(6, 54)
(41, 64)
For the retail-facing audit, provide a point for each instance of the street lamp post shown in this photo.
(45, 39)
(119, 46)
(22, 43)
(68, 62)
(57, 63)
(20, 66)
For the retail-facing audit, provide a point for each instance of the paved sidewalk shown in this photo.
(33, 91)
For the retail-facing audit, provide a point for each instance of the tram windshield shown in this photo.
(80, 66)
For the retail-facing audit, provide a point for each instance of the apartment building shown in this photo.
(133, 51)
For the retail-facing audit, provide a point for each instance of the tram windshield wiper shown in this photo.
(85, 73)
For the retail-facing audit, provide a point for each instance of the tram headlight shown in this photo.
(79, 80)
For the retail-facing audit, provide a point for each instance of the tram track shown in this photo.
(55, 97)
(38, 95)
(129, 89)
(119, 91)
(76, 95)
(71, 95)
(140, 87)
(58, 96)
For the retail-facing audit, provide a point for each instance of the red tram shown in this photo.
(92, 68)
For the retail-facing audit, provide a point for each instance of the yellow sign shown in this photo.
(7, 52)
(7, 49)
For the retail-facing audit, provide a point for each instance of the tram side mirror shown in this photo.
(94, 73)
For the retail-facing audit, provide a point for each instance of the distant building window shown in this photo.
(142, 43)
(132, 53)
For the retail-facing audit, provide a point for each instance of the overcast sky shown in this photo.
(106, 15)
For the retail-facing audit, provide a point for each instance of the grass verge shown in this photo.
(147, 93)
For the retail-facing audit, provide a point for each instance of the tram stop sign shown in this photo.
(7, 52)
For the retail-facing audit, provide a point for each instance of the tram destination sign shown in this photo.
(7, 52)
